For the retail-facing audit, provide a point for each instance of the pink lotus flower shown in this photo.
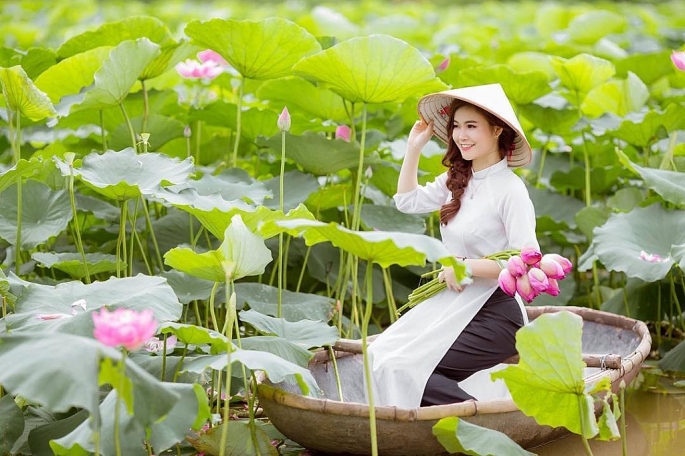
(678, 59)
(124, 327)
(651, 257)
(516, 266)
(538, 280)
(192, 69)
(553, 288)
(525, 289)
(565, 263)
(530, 255)
(55, 316)
(507, 282)
(154, 345)
(284, 120)
(551, 267)
(343, 132)
(211, 56)
(443, 65)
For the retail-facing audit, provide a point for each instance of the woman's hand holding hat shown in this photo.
(419, 135)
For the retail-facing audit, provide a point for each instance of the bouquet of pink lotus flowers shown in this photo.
(527, 272)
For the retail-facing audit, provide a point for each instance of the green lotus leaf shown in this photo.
(619, 97)
(589, 218)
(231, 184)
(648, 66)
(40, 436)
(11, 423)
(72, 74)
(124, 175)
(301, 96)
(626, 242)
(549, 119)
(590, 26)
(642, 129)
(459, 436)
(170, 55)
(23, 168)
(382, 247)
(279, 346)
(626, 199)
(196, 335)
(5, 292)
(531, 61)
(636, 300)
(45, 213)
(560, 208)
(241, 441)
(669, 184)
(388, 218)
(34, 60)
(162, 129)
(296, 306)
(550, 371)
(22, 96)
(187, 287)
(304, 333)
(521, 87)
(297, 187)
(118, 74)
(265, 49)
(674, 360)
(206, 266)
(373, 69)
(332, 195)
(114, 33)
(601, 179)
(582, 73)
(253, 122)
(72, 263)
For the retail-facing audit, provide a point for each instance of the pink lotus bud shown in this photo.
(538, 280)
(343, 132)
(565, 263)
(187, 132)
(551, 267)
(530, 255)
(553, 288)
(678, 59)
(284, 120)
(211, 56)
(507, 282)
(516, 266)
(124, 327)
(524, 288)
(443, 65)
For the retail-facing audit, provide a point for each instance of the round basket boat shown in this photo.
(334, 426)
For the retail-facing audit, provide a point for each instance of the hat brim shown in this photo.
(491, 98)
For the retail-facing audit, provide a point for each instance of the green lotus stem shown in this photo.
(198, 142)
(304, 268)
(229, 348)
(668, 156)
(130, 127)
(215, 324)
(146, 106)
(250, 395)
(674, 295)
(180, 363)
(121, 241)
(657, 326)
(367, 368)
(356, 216)
(542, 163)
(15, 134)
(136, 236)
(238, 125)
(117, 406)
(152, 234)
(103, 135)
(163, 375)
(331, 356)
(583, 426)
(392, 306)
(196, 311)
(133, 235)
(76, 228)
(280, 235)
(624, 439)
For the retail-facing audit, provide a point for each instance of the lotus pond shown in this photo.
(227, 168)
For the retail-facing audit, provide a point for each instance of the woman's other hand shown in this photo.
(419, 135)
(447, 276)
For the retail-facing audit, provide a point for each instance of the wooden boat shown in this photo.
(329, 425)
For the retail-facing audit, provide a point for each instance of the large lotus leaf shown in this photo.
(549, 119)
(124, 175)
(232, 184)
(34, 60)
(459, 436)
(301, 96)
(669, 184)
(45, 213)
(5, 292)
(674, 361)
(11, 423)
(276, 368)
(388, 218)
(372, 69)
(296, 306)
(619, 243)
(637, 299)
(589, 218)
(590, 26)
(385, 248)
(265, 49)
(305, 333)
(45, 430)
(297, 187)
(170, 55)
(207, 265)
(196, 335)
(138, 293)
(72, 74)
(309, 149)
(601, 179)
(618, 97)
(642, 129)
(22, 96)
(113, 33)
(100, 208)
(332, 195)
(560, 208)
(16, 173)
(582, 73)
(161, 129)
(531, 61)
(239, 443)
(550, 371)
(649, 66)
(279, 346)
(118, 74)
(72, 263)
(521, 87)
(190, 407)
(187, 287)
(626, 199)
(253, 122)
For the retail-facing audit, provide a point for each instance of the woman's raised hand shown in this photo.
(419, 135)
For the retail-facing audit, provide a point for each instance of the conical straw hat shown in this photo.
(490, 97)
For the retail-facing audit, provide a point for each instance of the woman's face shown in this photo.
(476, 138)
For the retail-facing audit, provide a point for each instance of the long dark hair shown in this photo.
(459, 170)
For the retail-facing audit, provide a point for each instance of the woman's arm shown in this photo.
(419, 136)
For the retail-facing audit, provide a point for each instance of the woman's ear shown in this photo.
(498, 131)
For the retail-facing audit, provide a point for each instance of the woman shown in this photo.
(424, 357)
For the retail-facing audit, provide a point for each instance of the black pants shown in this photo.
(486, 341)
